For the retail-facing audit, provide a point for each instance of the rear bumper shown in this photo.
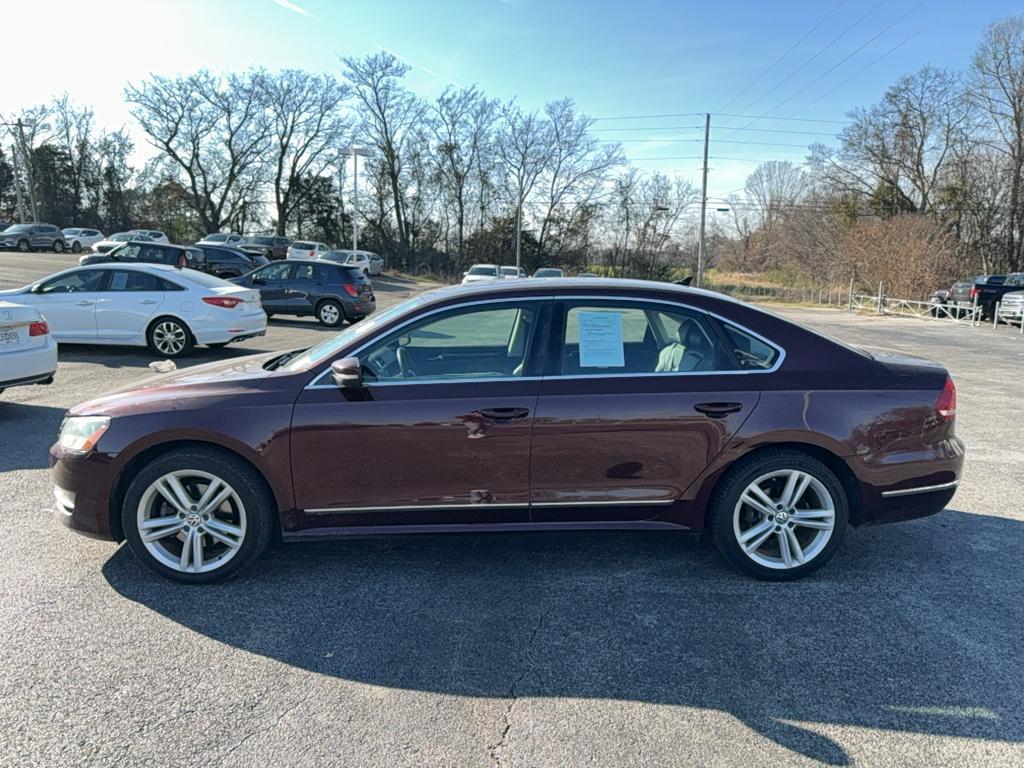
(222, 330)
(29, 366)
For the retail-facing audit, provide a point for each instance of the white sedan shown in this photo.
(305, 249)
(165, 308)
(28, 352)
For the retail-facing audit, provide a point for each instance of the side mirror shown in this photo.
(347, 373)
(257, 280)
(37, 288)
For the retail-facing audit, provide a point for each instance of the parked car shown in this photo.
(32, 237)
(304, 249)
(955, 300)
(228, 262)
(152, 234)
(165, 308)
(147, 252)
(548, 272)
(78, 239)
(587, 274)
(602, 404)
(222, 238)
(512, 273)
(274, 246)
(481, 272)
(28, 353)
(1011, 308)
(115, 241)
(376, 263)
(330, 292)
(357, 259)
(990, 291)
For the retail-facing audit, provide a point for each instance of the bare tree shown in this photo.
(997, 80)
(524, 149)
(389, 113)
(306, 131)
(213, 130)
(774, 187)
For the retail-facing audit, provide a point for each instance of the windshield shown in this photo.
(18, 228)
(330, 347)
(304, 246)
(491, 271)
(548, 273)
(509, 271)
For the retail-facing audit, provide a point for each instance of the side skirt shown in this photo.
(376, 530)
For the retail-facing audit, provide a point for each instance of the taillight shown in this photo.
(228, 302)
(312, 254)
(946, 404)
(38, 328)
(350, 289)
(974, 292)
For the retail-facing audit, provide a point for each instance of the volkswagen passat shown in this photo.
(520, 405)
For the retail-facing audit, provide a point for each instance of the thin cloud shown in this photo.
(290, 6)
(414, 65)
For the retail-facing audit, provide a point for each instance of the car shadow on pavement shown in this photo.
(124, 357)
(36, 427)
(913, 628)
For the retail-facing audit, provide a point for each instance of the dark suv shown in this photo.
(33, 237)
(331, 292)
(222, 262)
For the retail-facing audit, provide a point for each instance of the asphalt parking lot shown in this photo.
(517, 649)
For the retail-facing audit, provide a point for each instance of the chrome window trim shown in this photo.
(611, 503)
(315, 382)
(920, 489)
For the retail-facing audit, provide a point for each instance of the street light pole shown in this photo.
(356, 153)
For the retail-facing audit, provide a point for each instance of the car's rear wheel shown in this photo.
(779, 515)
(170, 337)
(76, 247)
(58, 246)
(330, 313)
(198, 515)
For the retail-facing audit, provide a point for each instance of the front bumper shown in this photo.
(83, 486)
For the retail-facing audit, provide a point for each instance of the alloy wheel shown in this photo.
(784, 519)
(169, 338)
(191, 521)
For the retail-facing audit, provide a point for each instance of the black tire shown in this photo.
(220, 345)
(250, 487)
(356, 319)
(161, 326)
(727, 494)
(76, 247)
(330, 313)
(23, 246)
(58, 246)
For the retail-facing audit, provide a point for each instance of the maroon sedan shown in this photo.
(520, 405)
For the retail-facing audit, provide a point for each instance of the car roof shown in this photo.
(140, 266)
(606, 285)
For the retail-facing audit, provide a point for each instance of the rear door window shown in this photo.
(132, 280)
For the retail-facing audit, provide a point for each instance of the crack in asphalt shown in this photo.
(513, 695)
(277, 721)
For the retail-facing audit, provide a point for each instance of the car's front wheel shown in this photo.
(23, 246)
(58, 246)
(76, 247)
(170, 337)
(780, 515)
(198, 515)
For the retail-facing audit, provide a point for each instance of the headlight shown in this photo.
(81, 433)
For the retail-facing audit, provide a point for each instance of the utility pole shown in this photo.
(17, 184)
(703, 203)
(356, 152)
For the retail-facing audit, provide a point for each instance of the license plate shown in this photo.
(9, 338)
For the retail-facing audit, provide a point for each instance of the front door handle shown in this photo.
(504, 415)
(85, 303)
(718, 410)
(148, 301)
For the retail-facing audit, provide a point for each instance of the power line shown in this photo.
(779, 60)
(650, 117)
(822, 50)
(716, 114)
(755, 130)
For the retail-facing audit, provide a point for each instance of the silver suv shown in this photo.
(33, 237)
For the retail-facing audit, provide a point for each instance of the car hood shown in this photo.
(14, 292)
(180, 389)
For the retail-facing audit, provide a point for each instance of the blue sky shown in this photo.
(615, 59)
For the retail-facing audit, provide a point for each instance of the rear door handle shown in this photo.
(148, 301)
(85, 303)
(718, 410)
(504, 415)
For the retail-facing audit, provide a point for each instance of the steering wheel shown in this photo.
(405, 363)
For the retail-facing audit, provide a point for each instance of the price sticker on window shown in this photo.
(601, 340)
